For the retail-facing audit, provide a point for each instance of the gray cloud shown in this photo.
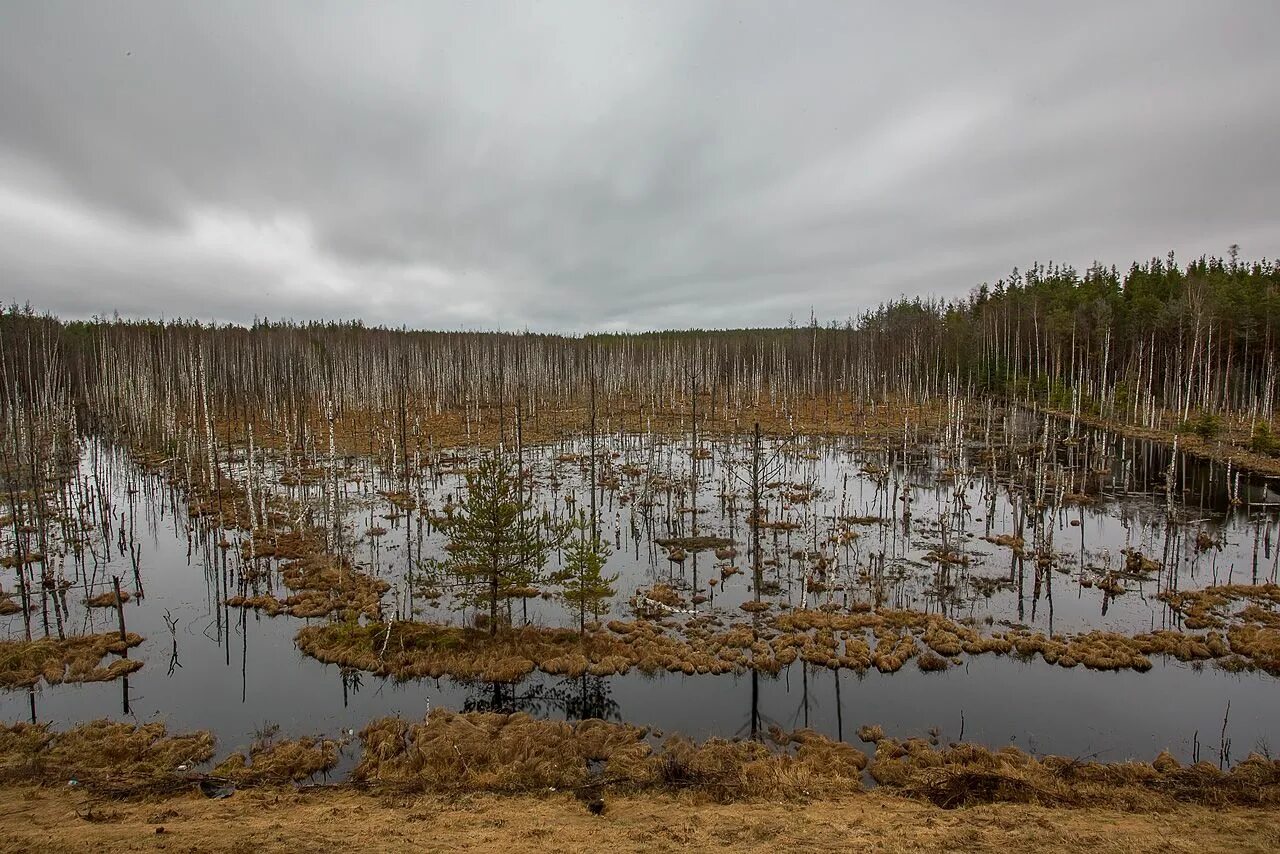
(577, 166)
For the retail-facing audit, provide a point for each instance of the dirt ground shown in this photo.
(57, 819)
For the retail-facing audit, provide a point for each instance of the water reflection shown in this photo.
(238, 667)
(574, 698)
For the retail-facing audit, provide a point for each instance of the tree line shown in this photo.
(1152, 345)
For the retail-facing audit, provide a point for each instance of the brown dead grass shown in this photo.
(1205, 608)
(886, 639)
(695, 544)
(514, 753)
(322, 585)
(406, 650)
(7, 604)
(965, 774)
(101, 753)
(813, 416)
(106, 600)
(325, 820)
(282, 761)
(435, 785)
(75, 659)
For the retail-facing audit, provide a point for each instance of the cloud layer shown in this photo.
(584, 166)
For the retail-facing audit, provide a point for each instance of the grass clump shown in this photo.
(75, 659)
(407, 650)
(484, 751)
(695, 544)
(322, 585)
(930, 661)
(886, 639)
(291, 760)
(103, 753)
(7, 605)
(1201, 609)
(515, 753)
(966, 774)
(107, 599)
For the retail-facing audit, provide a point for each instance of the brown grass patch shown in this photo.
(967, 774)
(322, 584)
(514, 753)
(1009, 541)
(414, 650)
(886, 639)
(695, 544)
(106, 600)
(75, 659)
(348, 820)
(102, 753)
(8, 605)
(291, 760)
(1201, 609)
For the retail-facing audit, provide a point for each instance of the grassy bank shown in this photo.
(262, 820)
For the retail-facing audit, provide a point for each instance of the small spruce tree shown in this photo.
(497, 545)
(584, 587)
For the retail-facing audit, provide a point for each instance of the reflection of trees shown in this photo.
(352, 682)
(591, 699)
(574, 698)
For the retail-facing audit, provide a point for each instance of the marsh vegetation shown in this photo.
(1007, 519)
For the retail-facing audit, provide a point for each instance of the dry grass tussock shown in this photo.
(1203, 609)
(291, 760)
(967, 774)
(695, 543)
(1253, 644)
(102, 753)
(451, 753)
(106, 600)
(321, 584)
(887, 640)
(8, 605)
(407, 650)
(1252, 633)
(514, 753)
(75, 659)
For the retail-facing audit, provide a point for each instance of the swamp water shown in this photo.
(840, 533)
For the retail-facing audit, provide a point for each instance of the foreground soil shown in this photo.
(61, 819)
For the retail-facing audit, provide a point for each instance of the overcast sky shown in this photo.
(574, 167)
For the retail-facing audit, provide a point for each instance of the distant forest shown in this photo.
(1152, 345)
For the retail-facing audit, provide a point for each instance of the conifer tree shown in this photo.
(497, 548)
(584, 587)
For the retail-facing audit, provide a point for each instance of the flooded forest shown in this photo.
(1026, 542)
